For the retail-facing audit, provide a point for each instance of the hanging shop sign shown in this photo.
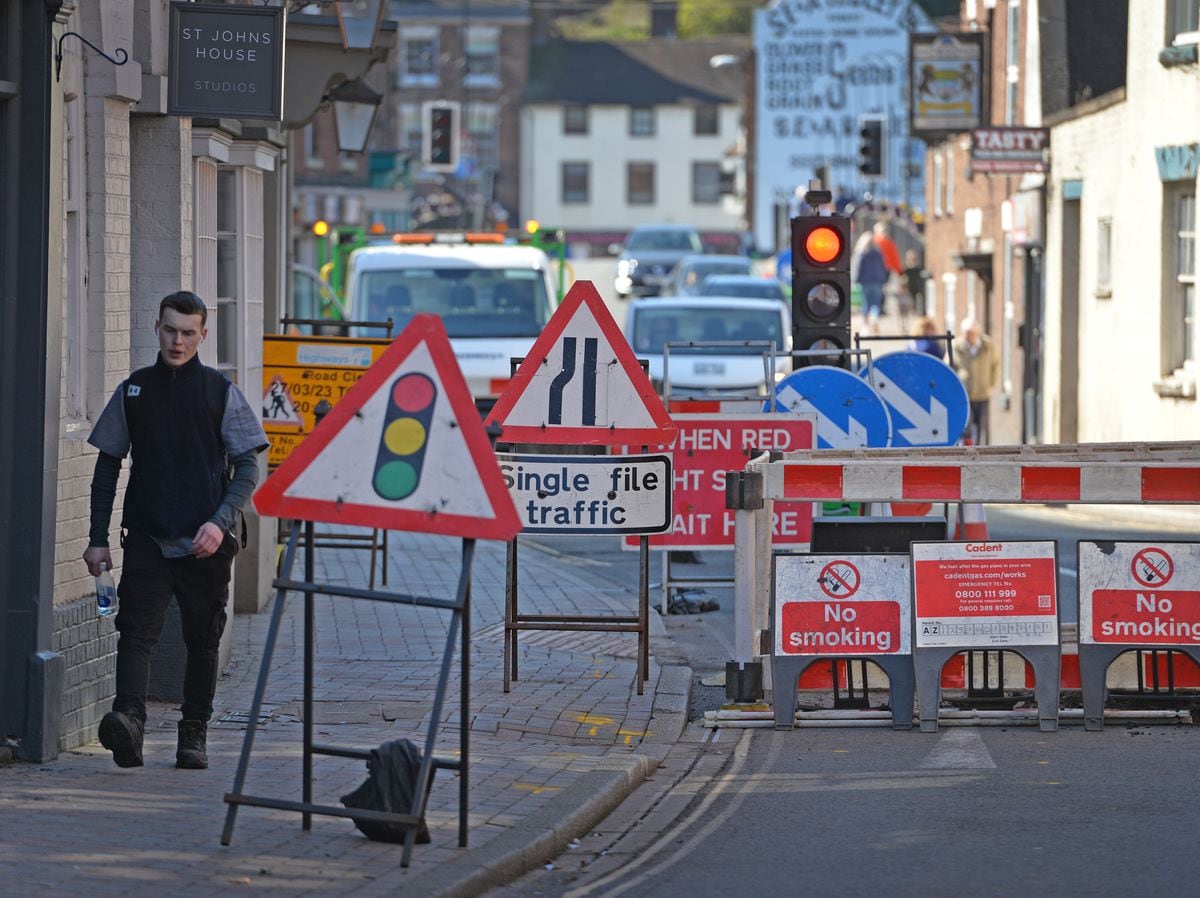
(226, 61)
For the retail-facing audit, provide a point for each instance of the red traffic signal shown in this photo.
(821, 249)
(405, 437)
(823, 245)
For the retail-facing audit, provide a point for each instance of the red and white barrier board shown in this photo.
(706, 447)
(1133, 593)
(842, 605)
(985, 594)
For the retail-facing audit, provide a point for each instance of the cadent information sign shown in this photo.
(705, 449)
(842, 605)
(589, 493)
(1139, 593)
(298, 372)
(985, 594)
(226, 60)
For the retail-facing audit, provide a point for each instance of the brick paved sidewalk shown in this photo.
(547, 759)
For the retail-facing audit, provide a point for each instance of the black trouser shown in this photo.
(201, 588)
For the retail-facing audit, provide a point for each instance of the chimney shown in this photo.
(663, 15)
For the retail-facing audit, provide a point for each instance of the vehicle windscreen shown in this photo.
(652, 327)
(472, 302)
(748, 289)
(683, 241)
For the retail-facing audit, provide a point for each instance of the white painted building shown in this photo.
(1122, 334)
(616, 135)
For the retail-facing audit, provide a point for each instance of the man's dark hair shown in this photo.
(185, 302)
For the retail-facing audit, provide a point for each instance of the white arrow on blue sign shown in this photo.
(927, 400)
(850, 415)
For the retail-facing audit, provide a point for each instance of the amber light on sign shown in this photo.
(823, 245)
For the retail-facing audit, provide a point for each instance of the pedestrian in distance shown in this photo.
(914, 281)
(978, 364)
(924, 334)
(185, 426)
(872, 276)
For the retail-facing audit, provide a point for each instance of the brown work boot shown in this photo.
(192, 753)
(122, 735)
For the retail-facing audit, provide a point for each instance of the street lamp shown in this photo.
(354, 108)
(359, 22)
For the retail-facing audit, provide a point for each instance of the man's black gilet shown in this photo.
(179, 468)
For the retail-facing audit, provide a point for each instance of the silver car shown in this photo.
(718, 347)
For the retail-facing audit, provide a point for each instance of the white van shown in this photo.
(494, 300)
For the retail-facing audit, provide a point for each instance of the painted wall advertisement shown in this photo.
(985, 594)
(821, 65)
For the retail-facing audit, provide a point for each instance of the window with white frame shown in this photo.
(308, 147)
(482, 56)
(639, 183)
(482, 122)
(706, 121)
(418, 57)
(1104, 258)
(706, 183)
(1012, 61)
(409, 128)
(939, 179)
(949, 177)
(1182, 337)
(229, 273)
(641, 121)
(1183, 22)
(575, 119)
(575, 177)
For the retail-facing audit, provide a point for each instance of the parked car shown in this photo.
(744, 285)
(688, 277)
(494, 299)
(644, 263)
(730, 357)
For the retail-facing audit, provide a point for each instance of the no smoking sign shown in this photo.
(1152, 567)
(839, 579)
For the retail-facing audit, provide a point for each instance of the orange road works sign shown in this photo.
(298, 372)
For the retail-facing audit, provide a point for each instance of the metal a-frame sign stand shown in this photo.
(581, 385)
(355, 470)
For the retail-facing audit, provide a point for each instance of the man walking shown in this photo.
(978, 364)
(184, 425)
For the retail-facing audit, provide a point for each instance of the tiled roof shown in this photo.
(660, 71)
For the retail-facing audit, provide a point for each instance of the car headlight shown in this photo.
(625, 267)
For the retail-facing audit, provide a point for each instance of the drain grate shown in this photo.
(239, 720)
(617, 645)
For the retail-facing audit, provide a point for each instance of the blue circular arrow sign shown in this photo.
(850, 415)
(927, 400)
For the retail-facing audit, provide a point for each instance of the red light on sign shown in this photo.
(823, 245)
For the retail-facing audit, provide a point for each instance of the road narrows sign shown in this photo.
(403, 450)
(581, 384)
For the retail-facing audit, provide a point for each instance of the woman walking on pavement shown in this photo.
(184, 425)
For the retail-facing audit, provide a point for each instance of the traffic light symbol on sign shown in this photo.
(870, 147)
(821, 288)
(405, 437)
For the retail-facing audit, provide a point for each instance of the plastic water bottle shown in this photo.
(106, 592)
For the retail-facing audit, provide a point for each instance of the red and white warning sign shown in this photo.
(985, 594)
(581, 384)
(278, 407)
(1139, 593)
(708, 446)
(404, 449)
(842, 605)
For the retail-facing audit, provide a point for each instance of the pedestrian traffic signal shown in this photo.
(440, 144)
(870, 146)
(405, 437)
(821, 288)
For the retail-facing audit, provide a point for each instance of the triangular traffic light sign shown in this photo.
(404, 449)
(582, 384)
